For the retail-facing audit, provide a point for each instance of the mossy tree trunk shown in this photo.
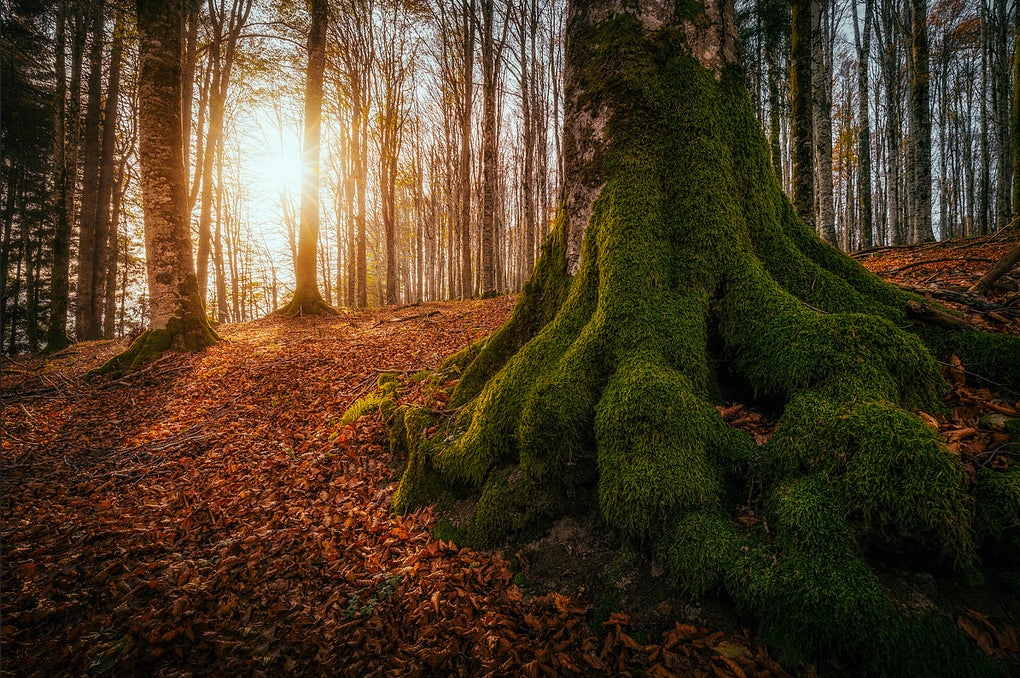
(678, 269)
(177, 318)
(307, 300)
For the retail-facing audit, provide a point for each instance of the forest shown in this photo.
(442, 145)
(545, 337)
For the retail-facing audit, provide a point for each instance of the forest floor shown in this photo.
(211, 515)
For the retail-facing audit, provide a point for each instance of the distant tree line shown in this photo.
(889, 121)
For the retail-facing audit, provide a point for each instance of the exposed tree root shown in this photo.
(695, 276)
(307, 303)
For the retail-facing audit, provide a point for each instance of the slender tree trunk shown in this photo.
(222, 309)
(107, 169)
(862, 39)
(113, 254)
(307, 299)
(490, 54)
(86, 325)
(1015, 114)
(1001, 96)
(821, 84)
(464, 187)
(63, 194)
(227, 29)
(920, 124)
(803, 127)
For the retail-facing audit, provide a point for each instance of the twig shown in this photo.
(915, 264)
(405, 318)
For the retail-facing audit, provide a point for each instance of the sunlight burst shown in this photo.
(281, 170)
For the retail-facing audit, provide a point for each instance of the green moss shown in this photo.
(599, 389)
(699, 550)
(653, 465)
(993, 359)
(514, 507)
(420, 483)
(541, 298)
(186, 332)
(997, 507)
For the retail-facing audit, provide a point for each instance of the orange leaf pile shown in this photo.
(210, 515)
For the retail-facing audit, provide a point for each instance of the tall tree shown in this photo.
(598, 392)
(467, 39)
(177, 319)
(822, 37)
(920, 125)
(1015, 113)
(227, 24)
(491, 55)
(105, 208)
(354, 25)
(63, 192)
(86, 324)
(862, 40)
(802, 109)
(307, 299)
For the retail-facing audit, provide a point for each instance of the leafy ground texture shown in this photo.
(211, 514)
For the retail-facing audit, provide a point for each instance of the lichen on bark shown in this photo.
(693, 274)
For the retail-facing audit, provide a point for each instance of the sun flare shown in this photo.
(282, 170)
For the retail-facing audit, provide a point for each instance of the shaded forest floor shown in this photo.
(210, 514)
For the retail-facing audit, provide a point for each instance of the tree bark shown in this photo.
(600, 392)
(821, 85)
(86, 325)
(177, 318)
(107, 168)
(803, 123)
(307, 299)
(63, 194)
(464, 164)
(1014, 119)
(920, 125)
(862, 39)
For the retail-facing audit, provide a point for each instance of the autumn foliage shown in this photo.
(210, 513)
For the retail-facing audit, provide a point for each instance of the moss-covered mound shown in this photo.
(695, 273)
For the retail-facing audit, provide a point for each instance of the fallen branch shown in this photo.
(999, 269)
(933, 316)
(940, 260)
(405, 318)
(964, 298)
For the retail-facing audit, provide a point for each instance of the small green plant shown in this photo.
(356, 608)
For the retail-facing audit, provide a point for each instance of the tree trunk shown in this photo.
(601, 390)
(63, 195)
(86, 326)
(107, 185)
(492, 46)
(862, 39)
(821, 100)
(226, 32)
(177, 318)
(1015, 114)
(307, 299)
(920, 126)
(464, 166)
(802, 113)
(113, 254)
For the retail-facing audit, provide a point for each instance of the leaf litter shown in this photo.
(211, 514)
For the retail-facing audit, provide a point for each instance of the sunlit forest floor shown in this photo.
(210, 514)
